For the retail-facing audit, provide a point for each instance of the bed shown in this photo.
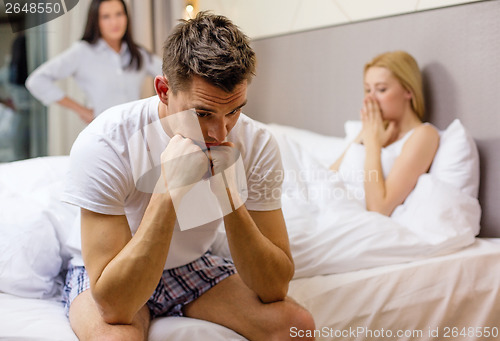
(429, 286)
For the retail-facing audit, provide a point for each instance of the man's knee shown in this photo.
(114, 333)
(87, 323)
(120, 335)
(293, 322)
(301, 320)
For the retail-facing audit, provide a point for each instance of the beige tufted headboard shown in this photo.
(313, 79)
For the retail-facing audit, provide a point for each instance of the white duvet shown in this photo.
(331, 232)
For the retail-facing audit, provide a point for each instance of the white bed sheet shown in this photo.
(441, 294)
(26, 319)
(453, 291)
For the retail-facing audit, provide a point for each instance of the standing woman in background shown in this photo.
(107, 64)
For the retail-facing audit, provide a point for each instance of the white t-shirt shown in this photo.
(101, 176)
(101, 72)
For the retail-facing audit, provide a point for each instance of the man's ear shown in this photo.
(162, 88)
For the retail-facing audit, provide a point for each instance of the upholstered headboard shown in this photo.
(313, 79)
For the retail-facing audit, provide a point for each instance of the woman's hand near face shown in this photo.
(375, 131)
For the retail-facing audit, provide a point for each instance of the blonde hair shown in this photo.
(404, 67)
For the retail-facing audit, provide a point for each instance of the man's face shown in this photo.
(217, 110)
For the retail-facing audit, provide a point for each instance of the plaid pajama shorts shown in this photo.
(177, 287)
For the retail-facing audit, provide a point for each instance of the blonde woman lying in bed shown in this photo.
(394, 146)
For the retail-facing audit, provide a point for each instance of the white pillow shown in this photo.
(439, 210)
(324, 148)
(34, 227)
(352, 129)
(41, 179)
(30, 259)
(457, 160)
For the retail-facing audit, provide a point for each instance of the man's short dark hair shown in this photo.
(209, 46)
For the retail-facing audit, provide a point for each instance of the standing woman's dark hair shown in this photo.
(92, 32)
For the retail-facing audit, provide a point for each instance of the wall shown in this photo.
(263, 18)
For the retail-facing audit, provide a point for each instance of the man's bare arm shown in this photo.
(125, 270)
(260, 249)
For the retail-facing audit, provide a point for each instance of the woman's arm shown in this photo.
(86, 114)
(41, 82)
(383, 195)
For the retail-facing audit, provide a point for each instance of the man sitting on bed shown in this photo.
(140, 262)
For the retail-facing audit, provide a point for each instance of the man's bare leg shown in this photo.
(88, 324)
(232, 304)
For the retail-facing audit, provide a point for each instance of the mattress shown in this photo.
(448, 296)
